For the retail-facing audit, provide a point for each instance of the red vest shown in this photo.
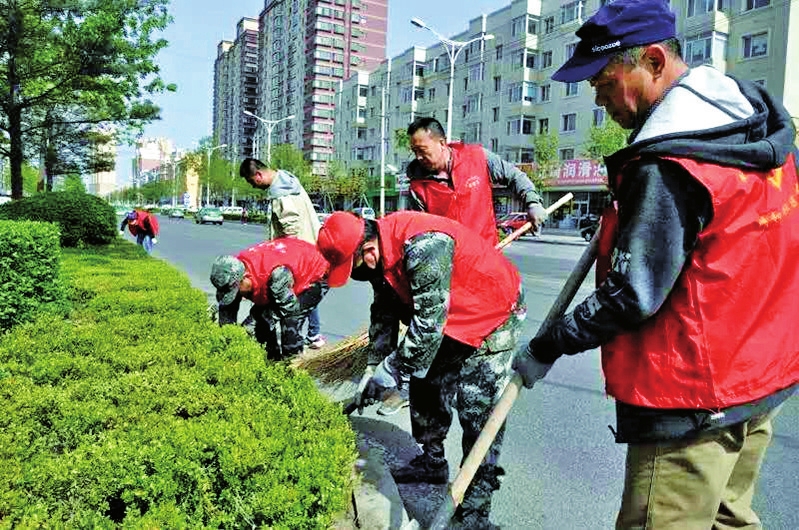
(727, 333)
(484, 286)
(470, 201)
(303, 260)
(145, 223)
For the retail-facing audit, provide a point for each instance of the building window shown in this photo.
(361, 134)
(524, 125)
(497, 83)
(756, 4)
(530, 90)
(476, 72)
(546, 93)
(570, 11)
(473, 103)
(568, 122)
(698, 50)
(419, 70)
(361, 113)
(599, 117)
(418, 94)
(755, 45)
(566, 154)
(549, 25)
(431, 94)
(518, 26)
(528, 125)
(494, 144)
(532, 26)
(699, 7)
(571, 89)
(363, 91)
(498, 51)
(543, 126)
(495, 113)
(532, 59)
(546, 59)
(570, 50)
(515, 93)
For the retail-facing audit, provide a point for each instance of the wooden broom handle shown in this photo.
(500, 412)
(528, 225)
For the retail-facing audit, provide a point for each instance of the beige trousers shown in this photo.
(701, 484)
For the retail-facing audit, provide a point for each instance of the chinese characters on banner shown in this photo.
(580, 172)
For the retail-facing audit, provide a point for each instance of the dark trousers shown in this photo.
(282, 337)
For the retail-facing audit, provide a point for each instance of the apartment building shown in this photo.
(236, 90)
(306, 48)
(503, 95)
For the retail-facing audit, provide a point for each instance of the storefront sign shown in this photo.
(581, 172)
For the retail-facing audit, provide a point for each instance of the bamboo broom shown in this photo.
(346, 360)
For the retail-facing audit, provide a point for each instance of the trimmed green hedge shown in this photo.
(84, 219)
(138, 411)
(30, 279)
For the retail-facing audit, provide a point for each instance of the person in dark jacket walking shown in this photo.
(698, 289)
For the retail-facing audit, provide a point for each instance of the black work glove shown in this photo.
(530, 368)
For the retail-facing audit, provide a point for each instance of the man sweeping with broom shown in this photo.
(463, 304)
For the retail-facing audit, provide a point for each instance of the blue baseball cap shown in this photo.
(615, 27)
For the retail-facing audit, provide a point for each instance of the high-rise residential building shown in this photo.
(151, 154)
(503, 95)
(306, 48)
(236, 89)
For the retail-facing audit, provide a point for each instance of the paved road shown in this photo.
(563, 470)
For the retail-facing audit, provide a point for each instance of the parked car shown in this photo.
(511, 222)
(366, 213)
(177, 213)
(209, 215)
(232, 210)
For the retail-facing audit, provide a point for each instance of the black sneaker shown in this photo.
(423, 468)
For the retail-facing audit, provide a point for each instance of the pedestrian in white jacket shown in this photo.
(291, 213)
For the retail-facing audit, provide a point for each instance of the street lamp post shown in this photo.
(208, 152)
(270, 126)
(453, 48)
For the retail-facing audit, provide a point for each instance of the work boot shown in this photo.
(423, 468)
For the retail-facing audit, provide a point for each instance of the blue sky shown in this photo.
(199, 25)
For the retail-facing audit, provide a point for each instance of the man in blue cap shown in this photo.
(697, 287)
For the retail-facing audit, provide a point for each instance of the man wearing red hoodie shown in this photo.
(143, 226)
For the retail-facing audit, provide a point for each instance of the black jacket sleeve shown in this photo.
(662, 210)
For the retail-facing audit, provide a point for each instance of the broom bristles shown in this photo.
(342, 362)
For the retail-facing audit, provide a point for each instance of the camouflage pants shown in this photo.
(470, 380)
(283, 337)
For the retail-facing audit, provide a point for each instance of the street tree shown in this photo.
(66, 66)
(605, 140)
(547, 160)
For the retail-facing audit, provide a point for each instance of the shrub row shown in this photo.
(30, 280)
(138, 411)
(84, 219)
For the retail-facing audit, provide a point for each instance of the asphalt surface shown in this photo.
(563, 469)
